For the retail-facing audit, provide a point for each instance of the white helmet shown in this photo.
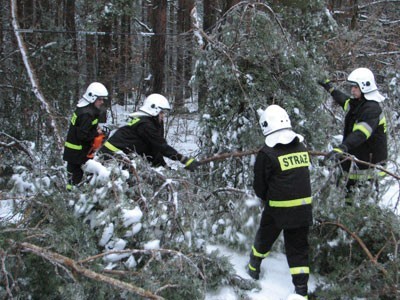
(93, 91)
(154, 104)
(365, 80)
(276, 126)
(274, 118)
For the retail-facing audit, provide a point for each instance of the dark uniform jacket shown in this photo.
(81, 133)
(145, 136)
(282, 180)
(364, 132)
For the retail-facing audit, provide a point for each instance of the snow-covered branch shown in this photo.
(74, 266)
(14, 143)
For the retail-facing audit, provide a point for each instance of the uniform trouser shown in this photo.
(296, 246)
(75, 174)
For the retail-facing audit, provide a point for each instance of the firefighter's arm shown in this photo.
(262, 168)
(364, 127)
(84, 132)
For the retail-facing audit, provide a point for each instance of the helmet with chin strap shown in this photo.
(273, 119)
(154, 104)
(364, 79)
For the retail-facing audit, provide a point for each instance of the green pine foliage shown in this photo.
(349, 262)
(74, 225)
(250, 63)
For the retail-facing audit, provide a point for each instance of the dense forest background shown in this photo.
(226, 59)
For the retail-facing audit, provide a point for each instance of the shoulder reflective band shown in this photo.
(382, 122)
(364, 128)
(111, 147)
(73, 119)
(95, 121)
(73, 146)
(258, 254)
(346, 105)
(294, 160)
(290, 203)
(300, 270)
(133, 121)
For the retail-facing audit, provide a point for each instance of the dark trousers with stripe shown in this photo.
(296, 245)
(75, 173)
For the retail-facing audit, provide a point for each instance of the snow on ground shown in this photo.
(275, 280)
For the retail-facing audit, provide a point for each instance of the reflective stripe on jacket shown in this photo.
(81, 133)
(364, 131)
(145, 136)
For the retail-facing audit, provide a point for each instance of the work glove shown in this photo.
(327, 85)
(337, 154)
(190, 163)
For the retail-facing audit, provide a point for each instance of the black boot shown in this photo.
(301, 290)
(254, 267)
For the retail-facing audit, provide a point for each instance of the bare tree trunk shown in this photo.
(209, 19)
(125, 58)
(91, 58)
(158, 20)
(70, 26)
(2, 4)
(184, 59)
(106, 57)
(209, 15)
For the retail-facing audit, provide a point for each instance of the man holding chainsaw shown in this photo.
(364, 134)
(84, 134)
(282, 182)
(144, 135)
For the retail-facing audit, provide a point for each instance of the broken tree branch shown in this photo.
(361, 243)
(222, 156)
(75, 267)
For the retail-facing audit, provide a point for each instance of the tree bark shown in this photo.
(184, 59)
(158, 20)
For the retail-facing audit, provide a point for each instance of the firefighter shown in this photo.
(83, 131)
(282, 182)
(144, 135)
(364, 134)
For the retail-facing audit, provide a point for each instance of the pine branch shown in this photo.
(373, 259)
(75, 267)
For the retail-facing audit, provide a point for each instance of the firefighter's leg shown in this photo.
(75, 175)
(296, 246)
(266, 235)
